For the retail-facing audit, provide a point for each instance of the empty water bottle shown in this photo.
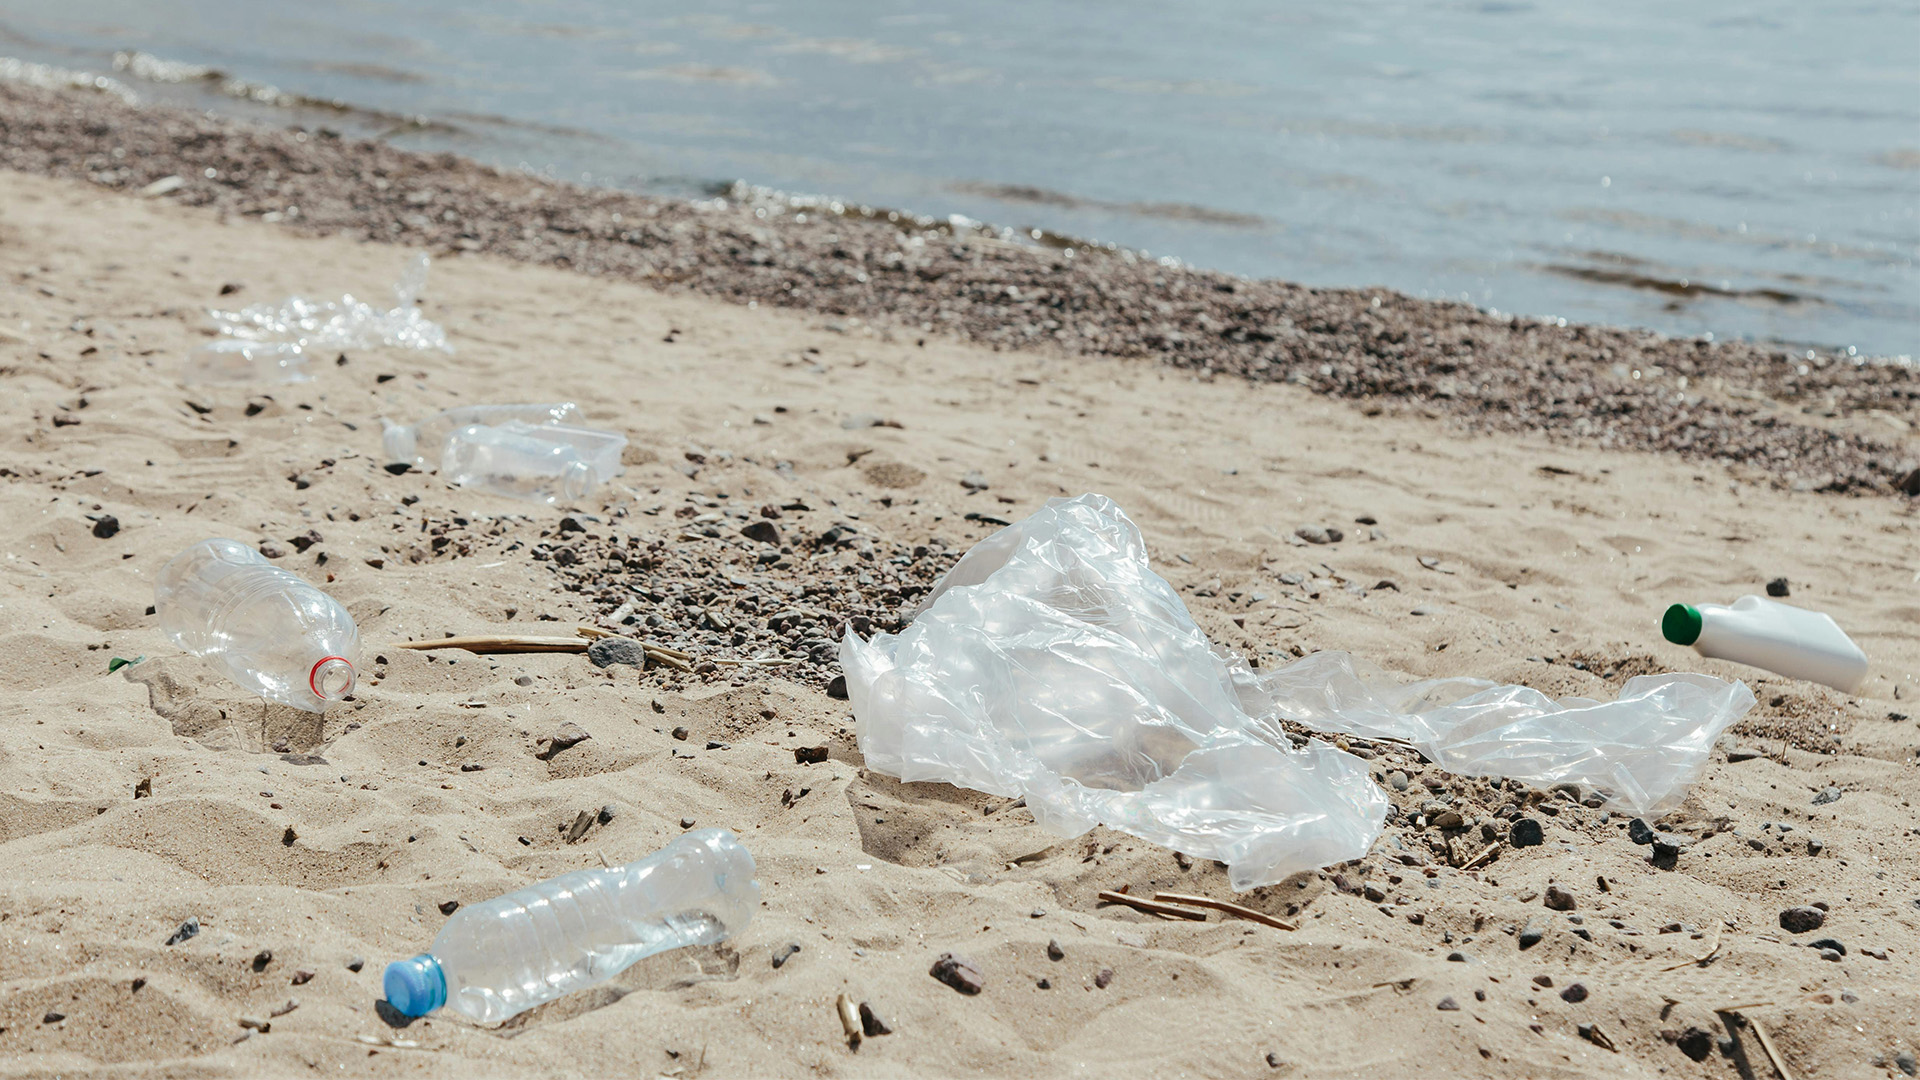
(421, 445)
(268, 629)
(500, 958)
(547, 463)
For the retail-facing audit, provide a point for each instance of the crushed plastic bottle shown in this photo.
(300, 328)
(421, 445)
(548, 463)
(267, 629)
(1780, 638)
(497, 959)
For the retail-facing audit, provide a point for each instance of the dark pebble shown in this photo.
(448, 907)
(261, 959)
(188, 929)
(809, 755)
(1640, 832)
(870, 1021)
(1828, 943)
(680, 733)
(837, 688)
(53, 1018)
(1447, 1004)
(785, 952)
(957, 972)
(1054, 951)
(1800, 920)
(1575, 992)
(608, 651)
(1560, 899)
(105, 526)
(302, 977)
(1530, 935)
(355, 963)
(1778, 587)
(1104, 978)
(1545, 982)
(1044, 984)
(1695, 1042)
(1526, 832)
(1457, 957)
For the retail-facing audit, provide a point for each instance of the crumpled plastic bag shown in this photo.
(270, 343)
(1052, 663)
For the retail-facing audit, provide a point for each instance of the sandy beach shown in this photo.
(313, 850)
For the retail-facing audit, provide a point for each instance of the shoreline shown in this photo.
(1812, 422)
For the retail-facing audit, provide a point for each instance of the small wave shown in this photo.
(147, 67)
(1684, 288)
(1027, 193)
(48, 77)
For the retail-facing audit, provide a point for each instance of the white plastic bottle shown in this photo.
(1781, 638)
(268, 629)
(549, 463)
(422, 444)
(500, 958)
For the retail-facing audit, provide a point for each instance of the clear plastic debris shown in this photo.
(238, 360)
(1051, 662)
(422, 444)
(266, 628)
(313, 327)
(497, 959)
(549, 463)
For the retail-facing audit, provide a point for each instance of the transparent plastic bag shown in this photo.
(1052, 662)
(308, 326)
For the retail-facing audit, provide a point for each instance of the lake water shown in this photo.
(1749, 169)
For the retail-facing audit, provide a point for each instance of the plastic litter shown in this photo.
(1781, 638)
(549, 463)
(267, 629)
(422, 444)
(283, 335)
(494, 960)
(1051, 662)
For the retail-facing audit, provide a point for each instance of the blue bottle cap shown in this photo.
(417, 986)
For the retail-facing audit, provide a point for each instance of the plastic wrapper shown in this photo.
(1052, 663)
(297, 327)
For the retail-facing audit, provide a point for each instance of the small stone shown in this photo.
(784, 953)
(1447, 1004)
(1593, 1034)
(1104, 978)
(355, 963)
(1398, 780)
(1778, 587)
(273, 550)
(680, 733)
(1694, 1042)
(1827, 795)
(1575, 993)
(448, 907)
(1530, 935)
(1743, 753)
(1904, 1059)
(1828, 943)
(837, 688)
(1274, 1060)
(188, 929)
(1054, 951)
(871, 1023)
(261, 959)
(523, 680)
(1559, 899)
(606, 814)
(687, 823)
(255, 1023)
(1815, 845)
(957, 971)
(1640, 832)
(1800, 920)
(105, 526)
(1831, 954)
(1447, 819)
(1422, 611)
(973, 481)
(1526, 832)
(1044, 984)
(1374, 893)
(1457, 957)
(809, 755)
(53, 1017)
(570, 734)
(1313, 534)
(762, 531)
(302, 977)
(608, 651)
(1545, 982)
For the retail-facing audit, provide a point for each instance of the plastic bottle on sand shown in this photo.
(1781, 638)
(268, 629)
(547, 463)
(421, 445)
(500, 958)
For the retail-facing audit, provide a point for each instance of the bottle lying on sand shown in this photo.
(421, 445)
(267, 629)
(500, 958)
(549, 463)
(1787, 640)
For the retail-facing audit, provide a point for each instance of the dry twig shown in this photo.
(1108, 896)
(1227, 906)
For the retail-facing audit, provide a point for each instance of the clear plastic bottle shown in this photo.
(421, 445)
(495, 960)
(547, 463)
(268, 629)
(1781, 638)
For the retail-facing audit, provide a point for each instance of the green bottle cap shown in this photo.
(1682, 624)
